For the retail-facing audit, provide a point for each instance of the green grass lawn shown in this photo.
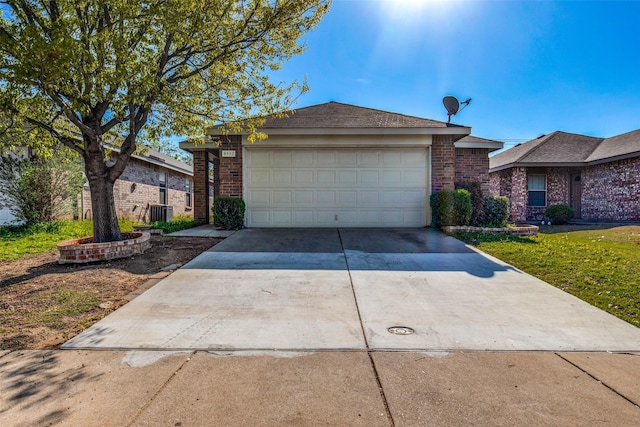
(599, 266)
(19, 242)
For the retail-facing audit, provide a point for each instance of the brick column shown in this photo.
(519, 194)
(200, 186)
(230, 168)
(443, 163)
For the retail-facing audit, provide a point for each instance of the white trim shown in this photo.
(341, 141)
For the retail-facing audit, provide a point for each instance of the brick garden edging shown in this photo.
(519, 230)
(79, 251)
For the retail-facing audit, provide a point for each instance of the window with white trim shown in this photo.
(537, 187)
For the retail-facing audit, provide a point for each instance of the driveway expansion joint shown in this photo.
(599, 381)
(160, 390)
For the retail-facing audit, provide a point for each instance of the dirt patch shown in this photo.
(43, 304)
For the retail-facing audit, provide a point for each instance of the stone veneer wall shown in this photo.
(611, 191)
(443, 163)
(472, 164)
(132, 203)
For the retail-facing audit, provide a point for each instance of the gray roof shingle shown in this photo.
(562, 148)
(615, 146)
(338, 115)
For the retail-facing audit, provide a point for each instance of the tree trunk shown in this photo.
(105, 220)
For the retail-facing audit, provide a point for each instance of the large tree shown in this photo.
(92, 74)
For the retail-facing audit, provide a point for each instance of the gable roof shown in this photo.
(338, 115)
(567, 149)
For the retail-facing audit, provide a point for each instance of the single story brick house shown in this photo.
(336, 164)
(153, 186)
(598, 177)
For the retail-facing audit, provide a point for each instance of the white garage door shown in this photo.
(336, 187)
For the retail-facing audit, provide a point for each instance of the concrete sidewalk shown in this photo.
(355, 388)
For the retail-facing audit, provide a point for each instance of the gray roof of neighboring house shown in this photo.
(616, 146)
(338, 115)
(562, 148)
(158, 158)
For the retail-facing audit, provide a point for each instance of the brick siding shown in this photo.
(229, 176)
(472, 164)
(610, 191)
(132, 201)
(443, 163)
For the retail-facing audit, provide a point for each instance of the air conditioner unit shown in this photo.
(161, 213)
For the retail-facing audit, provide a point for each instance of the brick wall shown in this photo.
(611, 191)
(201, 200)
(229, 177)
(472, 164)
(132, 200)
(443, 163)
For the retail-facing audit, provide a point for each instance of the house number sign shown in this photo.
(228, 153)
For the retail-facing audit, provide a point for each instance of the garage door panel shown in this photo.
(282, 197)
(282, 178)
(326, 197)
(392, 177)
(303, 177)
(336, 187)
(304, 157)
(281, 218)
(304, 197)
(326, 177)
(259, 178)
(347, 178)
(369, 178)
(369, 197)
(303, 218)
(259, 197)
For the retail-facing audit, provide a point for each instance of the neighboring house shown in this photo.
(152, 187)
(336, 164)
(598, 177)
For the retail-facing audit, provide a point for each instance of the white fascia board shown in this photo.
(497, 145)
(457, 130)
(341, 141)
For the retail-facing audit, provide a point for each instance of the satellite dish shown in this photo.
(453, 106)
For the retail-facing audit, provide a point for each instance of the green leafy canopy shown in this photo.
(181, 65)
(89, 74)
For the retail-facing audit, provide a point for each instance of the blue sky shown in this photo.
(531, 67)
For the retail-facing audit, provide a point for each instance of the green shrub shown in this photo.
(477, 200)
(462, 207)
(228, 212)
(180, 222)
(450, 207)
(559, 214)
(496, 211)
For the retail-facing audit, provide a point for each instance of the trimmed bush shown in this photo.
(496, 211)
(450, 207)
(477, 201)
(228, 212)
(559, 214)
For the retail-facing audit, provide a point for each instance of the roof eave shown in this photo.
(458, 130)
(613, 158)
(492, 146)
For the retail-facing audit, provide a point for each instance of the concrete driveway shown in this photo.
(346, 289)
